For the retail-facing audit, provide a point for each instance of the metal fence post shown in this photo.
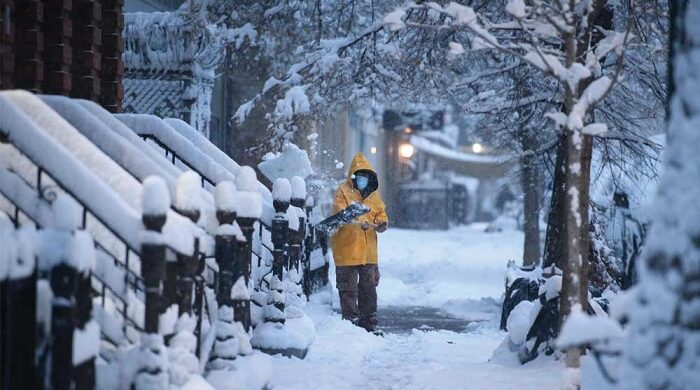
(241, 305)
(228, 240)
(249, 211)
(152, 372)
(83, 252)
(308, 246)
(153, 270)
(296, 250)
(225, 255)
(17, 314)
(280, 235)
(63, 278)
(187, 267)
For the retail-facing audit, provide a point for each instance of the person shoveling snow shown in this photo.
(355, 245)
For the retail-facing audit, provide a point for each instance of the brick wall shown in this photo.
(65, 47)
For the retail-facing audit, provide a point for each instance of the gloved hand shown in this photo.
(381, 228)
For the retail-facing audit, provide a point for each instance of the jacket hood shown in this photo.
(360, 163)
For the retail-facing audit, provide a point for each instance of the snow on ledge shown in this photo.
(433, 148)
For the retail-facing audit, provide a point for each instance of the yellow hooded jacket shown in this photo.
(352, 245)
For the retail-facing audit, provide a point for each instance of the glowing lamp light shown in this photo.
(407, 130)
(477, 148)
(373, 150)
(406, 150)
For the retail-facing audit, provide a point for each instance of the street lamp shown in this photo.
(406, 150)
(477, 148)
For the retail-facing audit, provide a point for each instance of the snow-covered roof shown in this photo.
(469, 164)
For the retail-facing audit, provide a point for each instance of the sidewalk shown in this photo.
(451, 280)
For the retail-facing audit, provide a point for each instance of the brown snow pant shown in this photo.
(357, 287)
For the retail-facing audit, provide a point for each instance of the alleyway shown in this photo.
(439, 305)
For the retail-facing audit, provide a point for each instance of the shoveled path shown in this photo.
(438, 297)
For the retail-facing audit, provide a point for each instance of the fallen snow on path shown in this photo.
(459, 271)
(346, 357)
(451, 269)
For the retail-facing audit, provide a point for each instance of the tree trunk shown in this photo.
(531, 206)
(584, 202)
(555, 242)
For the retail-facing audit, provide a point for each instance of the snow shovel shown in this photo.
(342, 217)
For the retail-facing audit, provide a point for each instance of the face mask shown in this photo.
(361, 182)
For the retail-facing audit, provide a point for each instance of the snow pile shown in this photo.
(298, 187)
(184, 365)
(152, 372)
(294, 214)
(293, 161)
(246, 179)
(252, 372)
(250, 203)
(188, 195)
(225, 195)
(459, 264)
(281, 190)
(155, 199)
(581, 329)
(552, 287)
(231, 340)
(81, 251)
(295, 333)
(520, 321)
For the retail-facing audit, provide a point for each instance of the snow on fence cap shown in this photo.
(81, 251)
(282, 190)
(231, 230)
(225, 195)
(187, 195)
(298, 187)
(155, 197)
(291, 162)
(246, 179)
(249, 204)
(66, 213)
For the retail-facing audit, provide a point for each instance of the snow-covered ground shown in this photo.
(460, 272)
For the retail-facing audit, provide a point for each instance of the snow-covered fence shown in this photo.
(149, 255)
(47, 272)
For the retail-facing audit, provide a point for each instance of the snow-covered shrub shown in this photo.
(181, 352)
